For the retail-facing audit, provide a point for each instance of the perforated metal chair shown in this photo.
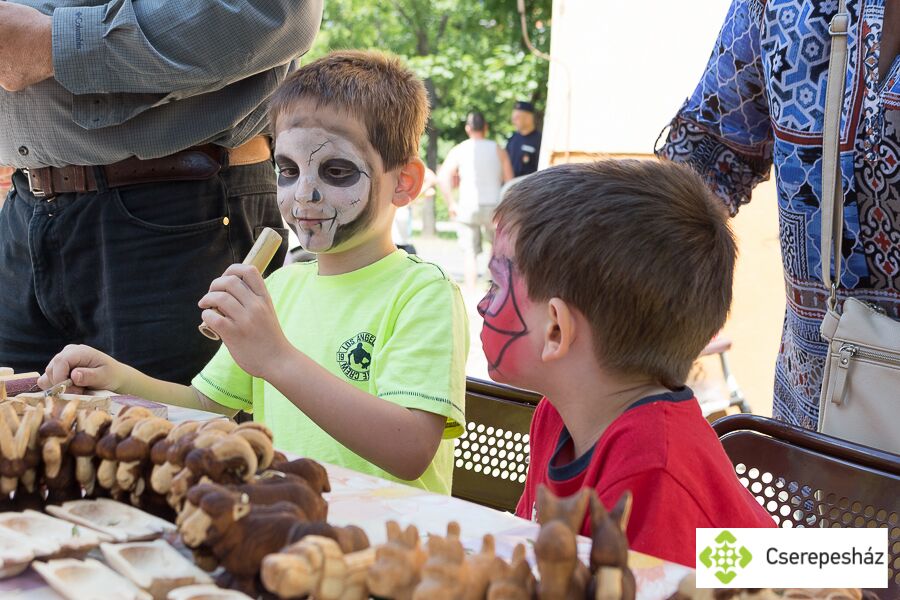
(806, 479)
(491, 458)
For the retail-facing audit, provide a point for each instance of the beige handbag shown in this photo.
(860, 398)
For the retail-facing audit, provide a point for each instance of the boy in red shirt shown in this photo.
(608, 280)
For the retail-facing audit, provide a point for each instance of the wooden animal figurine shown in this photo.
(260, 439)
(55, 434)
(264, 491)
(314, 473)
(240, 535)
(19, 458)
(480, 568)
(134, 451)
(174, 479)
(612, 579)
(89, 428)
(317, 567)
(168, 455)
(119, 429)
(9, 455)
(513, 581)
(398, 564)
(563, 576)
(29, 493)
(186, 477)
(445, 572)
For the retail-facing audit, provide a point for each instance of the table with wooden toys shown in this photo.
(108, 498)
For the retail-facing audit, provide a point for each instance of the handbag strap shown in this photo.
(832, 210)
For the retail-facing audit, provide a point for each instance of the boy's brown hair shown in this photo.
(376, 88)
(641, 248)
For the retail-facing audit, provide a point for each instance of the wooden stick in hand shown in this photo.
(260, 256)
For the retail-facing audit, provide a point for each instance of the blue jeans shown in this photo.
(122, 269)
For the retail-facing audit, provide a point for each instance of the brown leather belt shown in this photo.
(197, 163)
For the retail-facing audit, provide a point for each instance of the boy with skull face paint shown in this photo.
(358, 358)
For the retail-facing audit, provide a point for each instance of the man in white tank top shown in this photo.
(478, 167)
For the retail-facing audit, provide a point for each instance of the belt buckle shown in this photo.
(35, 191)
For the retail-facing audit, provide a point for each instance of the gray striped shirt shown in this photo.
(147, 78)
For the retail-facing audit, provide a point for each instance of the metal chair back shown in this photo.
(807, 479)
(491, 458)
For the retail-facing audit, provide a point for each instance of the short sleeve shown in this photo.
(422, 364)
(225, 383)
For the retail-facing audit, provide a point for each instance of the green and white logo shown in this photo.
(725, 557)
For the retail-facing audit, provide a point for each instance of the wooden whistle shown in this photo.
(260, 256)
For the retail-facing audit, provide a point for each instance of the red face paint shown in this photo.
(503, 322)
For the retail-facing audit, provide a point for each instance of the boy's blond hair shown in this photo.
(641, 248)
(374, 87)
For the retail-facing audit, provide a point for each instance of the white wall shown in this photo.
(631, 64)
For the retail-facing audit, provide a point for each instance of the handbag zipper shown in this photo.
(845, 353)
(848, 351)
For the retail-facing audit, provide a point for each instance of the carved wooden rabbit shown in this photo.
(563, 576)
(612, 579)
(398, 564)
(445, 573)
(513, 581)
(481, 568)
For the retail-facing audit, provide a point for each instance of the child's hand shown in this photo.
(86, 367)
(238, 307)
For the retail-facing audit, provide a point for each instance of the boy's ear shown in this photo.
(409, 182)
(560, 330)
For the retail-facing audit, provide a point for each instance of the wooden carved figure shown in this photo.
(9, 426)
(240, 535)
(164, 470)
(133, 453)
(317, 567)
(179, 455)
(444, 574)
(398, 564)
(563, 576)
(90, 427)
(55, 433)
(612, 579)
(314, 473)
(513, 581)
(19, 458)
(119, 429)
(480, 568)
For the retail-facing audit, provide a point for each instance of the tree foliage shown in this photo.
(469, 52)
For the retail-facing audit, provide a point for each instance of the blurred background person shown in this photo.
(478, 167)
(524, 146)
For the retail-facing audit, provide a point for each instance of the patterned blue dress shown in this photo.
(761, 102)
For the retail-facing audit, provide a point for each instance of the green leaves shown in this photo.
(471, 50)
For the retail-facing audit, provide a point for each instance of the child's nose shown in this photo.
(483, 305)
(307, 192)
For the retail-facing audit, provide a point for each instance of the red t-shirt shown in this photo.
(665, 452)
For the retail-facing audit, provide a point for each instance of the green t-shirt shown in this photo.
(396, 329)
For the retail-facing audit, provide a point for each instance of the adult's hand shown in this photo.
(26, 46)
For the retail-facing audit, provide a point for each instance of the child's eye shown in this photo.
(339, 172)
(286, 171)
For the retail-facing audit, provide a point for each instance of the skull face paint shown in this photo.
(502, 310)
(325, 186)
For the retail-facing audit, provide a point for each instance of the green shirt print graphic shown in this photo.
(355, 355)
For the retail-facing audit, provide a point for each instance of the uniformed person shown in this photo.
(524, 146)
